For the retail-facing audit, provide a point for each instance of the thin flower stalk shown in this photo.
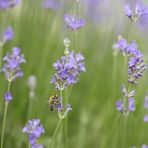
(12, 70)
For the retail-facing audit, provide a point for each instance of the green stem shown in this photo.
(1, 52)
(5, 115)
(125, 69)
(4, 124)
(54, 134)
(124, 131)
(134, 8)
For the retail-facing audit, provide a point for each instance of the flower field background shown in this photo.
(94, 121)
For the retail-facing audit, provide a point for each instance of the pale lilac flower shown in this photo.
(136, 67)
(7, 4)
(126, 48)
(146, 118)
(68, 69)
(119, 105)
(34, 129)
(146, 102)
(8, 34)
(144, 146)
(8, 96)
(131, 104)
(51, 4)
(72, 22)
(68, 108)
(12, 64)
(137, 13)
(126, 108)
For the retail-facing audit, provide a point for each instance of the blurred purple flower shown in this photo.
(136, 65)
(72, 22)
(146, 118)
(144, 146)
(34, 129)
(146, 102)
(126, 48)
(8, 34)
(6, 4)
(119, 105)
(51, 4)
(13, 61)
(68, 69)
(139, 11)
(8, 96)
(131, 104)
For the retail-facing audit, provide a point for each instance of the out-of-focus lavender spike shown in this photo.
(72, 22)
(51, 4)
(7, 4)
(12, 64)
(35, 130)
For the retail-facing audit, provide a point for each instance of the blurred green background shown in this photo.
(94, 121)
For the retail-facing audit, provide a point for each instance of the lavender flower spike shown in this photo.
(34, 129)
(12, 64)
(68, 69)
(7, 4)
(135, 14)
(72, 22)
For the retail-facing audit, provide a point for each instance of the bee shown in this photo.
(53, 101)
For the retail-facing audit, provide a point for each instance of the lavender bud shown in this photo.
(8, 96)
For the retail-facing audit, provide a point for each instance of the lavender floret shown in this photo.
(68, 69)
(12, 64)
(8, 96)
(137, 13)
(34, 129)
(72, 22)
(7, 4)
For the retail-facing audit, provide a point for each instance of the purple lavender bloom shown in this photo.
(51, 4)
(72, 22)
(34, 129)
(12, 64)
(144, 146)
(131, 104)
(126, 48)
(8, 96)
(8, 34)
(139, 12)
(130, 107)
(119, 105)
(136, 67)
(145, 118)
(68, 108)
(146, 102)
(68, 69)
(7, 4)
